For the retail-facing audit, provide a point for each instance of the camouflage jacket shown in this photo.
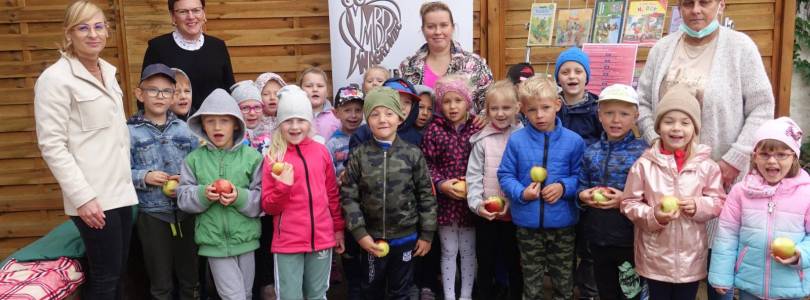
(387, 194)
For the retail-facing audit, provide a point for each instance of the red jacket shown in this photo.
(307, 214)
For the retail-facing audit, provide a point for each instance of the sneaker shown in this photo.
(427, 294)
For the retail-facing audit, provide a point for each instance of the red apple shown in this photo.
(222, 186)
(278, 168)
(783, 247)
(494, 204)
(382, 244)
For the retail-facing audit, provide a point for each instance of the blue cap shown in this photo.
(402, 86)
(576, 55)
(157, 69)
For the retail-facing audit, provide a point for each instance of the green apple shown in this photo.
(783, 247)
(538, 174)
(669, 204)
(599, 197)
(169, 187)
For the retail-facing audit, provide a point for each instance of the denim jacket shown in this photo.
(153, 150)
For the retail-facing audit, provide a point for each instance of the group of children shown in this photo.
(376, 174)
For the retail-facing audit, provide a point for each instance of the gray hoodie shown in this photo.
(193, 176)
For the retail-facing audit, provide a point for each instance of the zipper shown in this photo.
(545, 162)
(309, 191)
(227, 232)
(740, 259)
(278, 227)
(768, 259)
(605, 165)
(385, 188)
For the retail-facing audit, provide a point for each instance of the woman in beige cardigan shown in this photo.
(82, 133)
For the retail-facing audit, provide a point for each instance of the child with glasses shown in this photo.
(159, 143)
(769, 204)
(249, 99)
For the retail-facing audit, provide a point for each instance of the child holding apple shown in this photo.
(221, 183)
(387, 196)
(538, 173)
(605, 165)
(159, 143)
(446, 146)
(494, 230)
(300, 190)
(672, 190)
(767, 208)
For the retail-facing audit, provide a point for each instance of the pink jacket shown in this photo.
(326, 123)
(482, 168)
(306, 215)
(676, 252)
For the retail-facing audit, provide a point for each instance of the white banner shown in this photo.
(364, 33)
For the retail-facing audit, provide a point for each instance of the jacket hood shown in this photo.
(755, 186)
(701, 153)
(491, 130)
(410, 120)
(219, 102)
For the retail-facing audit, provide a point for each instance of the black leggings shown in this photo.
(107, 250)
(672, 291)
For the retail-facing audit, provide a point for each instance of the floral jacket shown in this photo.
(461, 62)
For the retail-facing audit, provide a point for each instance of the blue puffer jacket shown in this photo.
(606, 164)
(560, 151)
(582, 119)
(155, 150)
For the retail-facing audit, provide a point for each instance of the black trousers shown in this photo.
(496, 242)
(394, 271)
(672, 291)
(584, 272)
(107, 250)
(607, 260)
(353, 269)
(426, 269)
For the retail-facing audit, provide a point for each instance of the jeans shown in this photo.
(106, 251)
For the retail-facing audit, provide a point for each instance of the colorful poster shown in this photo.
(676, 20)
(645, 22)
(607, 25)
(573, 27)
(541, 24)
(610, 64)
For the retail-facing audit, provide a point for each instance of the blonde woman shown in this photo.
(82, 133)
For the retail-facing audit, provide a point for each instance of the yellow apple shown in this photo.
(382, 244)
(278, 168)
(783, 247)
(599, 197)
(669, 204)
(169, 187)
(538, 174)
(460, 187)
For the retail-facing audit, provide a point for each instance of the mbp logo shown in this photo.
(369, 28)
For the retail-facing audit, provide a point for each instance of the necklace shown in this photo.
(693, 52)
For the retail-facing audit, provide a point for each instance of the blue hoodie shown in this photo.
(560, 151)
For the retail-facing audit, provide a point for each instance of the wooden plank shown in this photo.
(36, 41)
(18, 145)
(784, 65)
(30, 197)
(30, 223)
(10, 245)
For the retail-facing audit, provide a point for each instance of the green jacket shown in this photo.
(222, 231)
(388, 193)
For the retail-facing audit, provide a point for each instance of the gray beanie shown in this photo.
(245, 90)
(293, 102)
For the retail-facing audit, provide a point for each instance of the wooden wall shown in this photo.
(762, 20)
(283, 36)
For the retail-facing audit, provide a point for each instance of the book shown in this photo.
(645, 23)
(541, 24)
(676, 20)
(573, 27)
(610, 64)
(607, 24)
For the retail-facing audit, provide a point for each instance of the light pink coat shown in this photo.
(676, 252)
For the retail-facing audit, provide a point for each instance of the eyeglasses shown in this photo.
(197, 11)
(780, 156)
(99, 28)
(153, 92)
(250, 108)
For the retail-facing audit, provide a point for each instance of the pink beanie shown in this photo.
(452, 83)
(783, 129)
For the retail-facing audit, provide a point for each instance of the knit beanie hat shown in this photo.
(453, 83)
(520, 72)
(423, 89)
(245, 90)
(263, 79)
(382, 96)
(783, 129)
(576, 55)
(293, 102)
(679, 98)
